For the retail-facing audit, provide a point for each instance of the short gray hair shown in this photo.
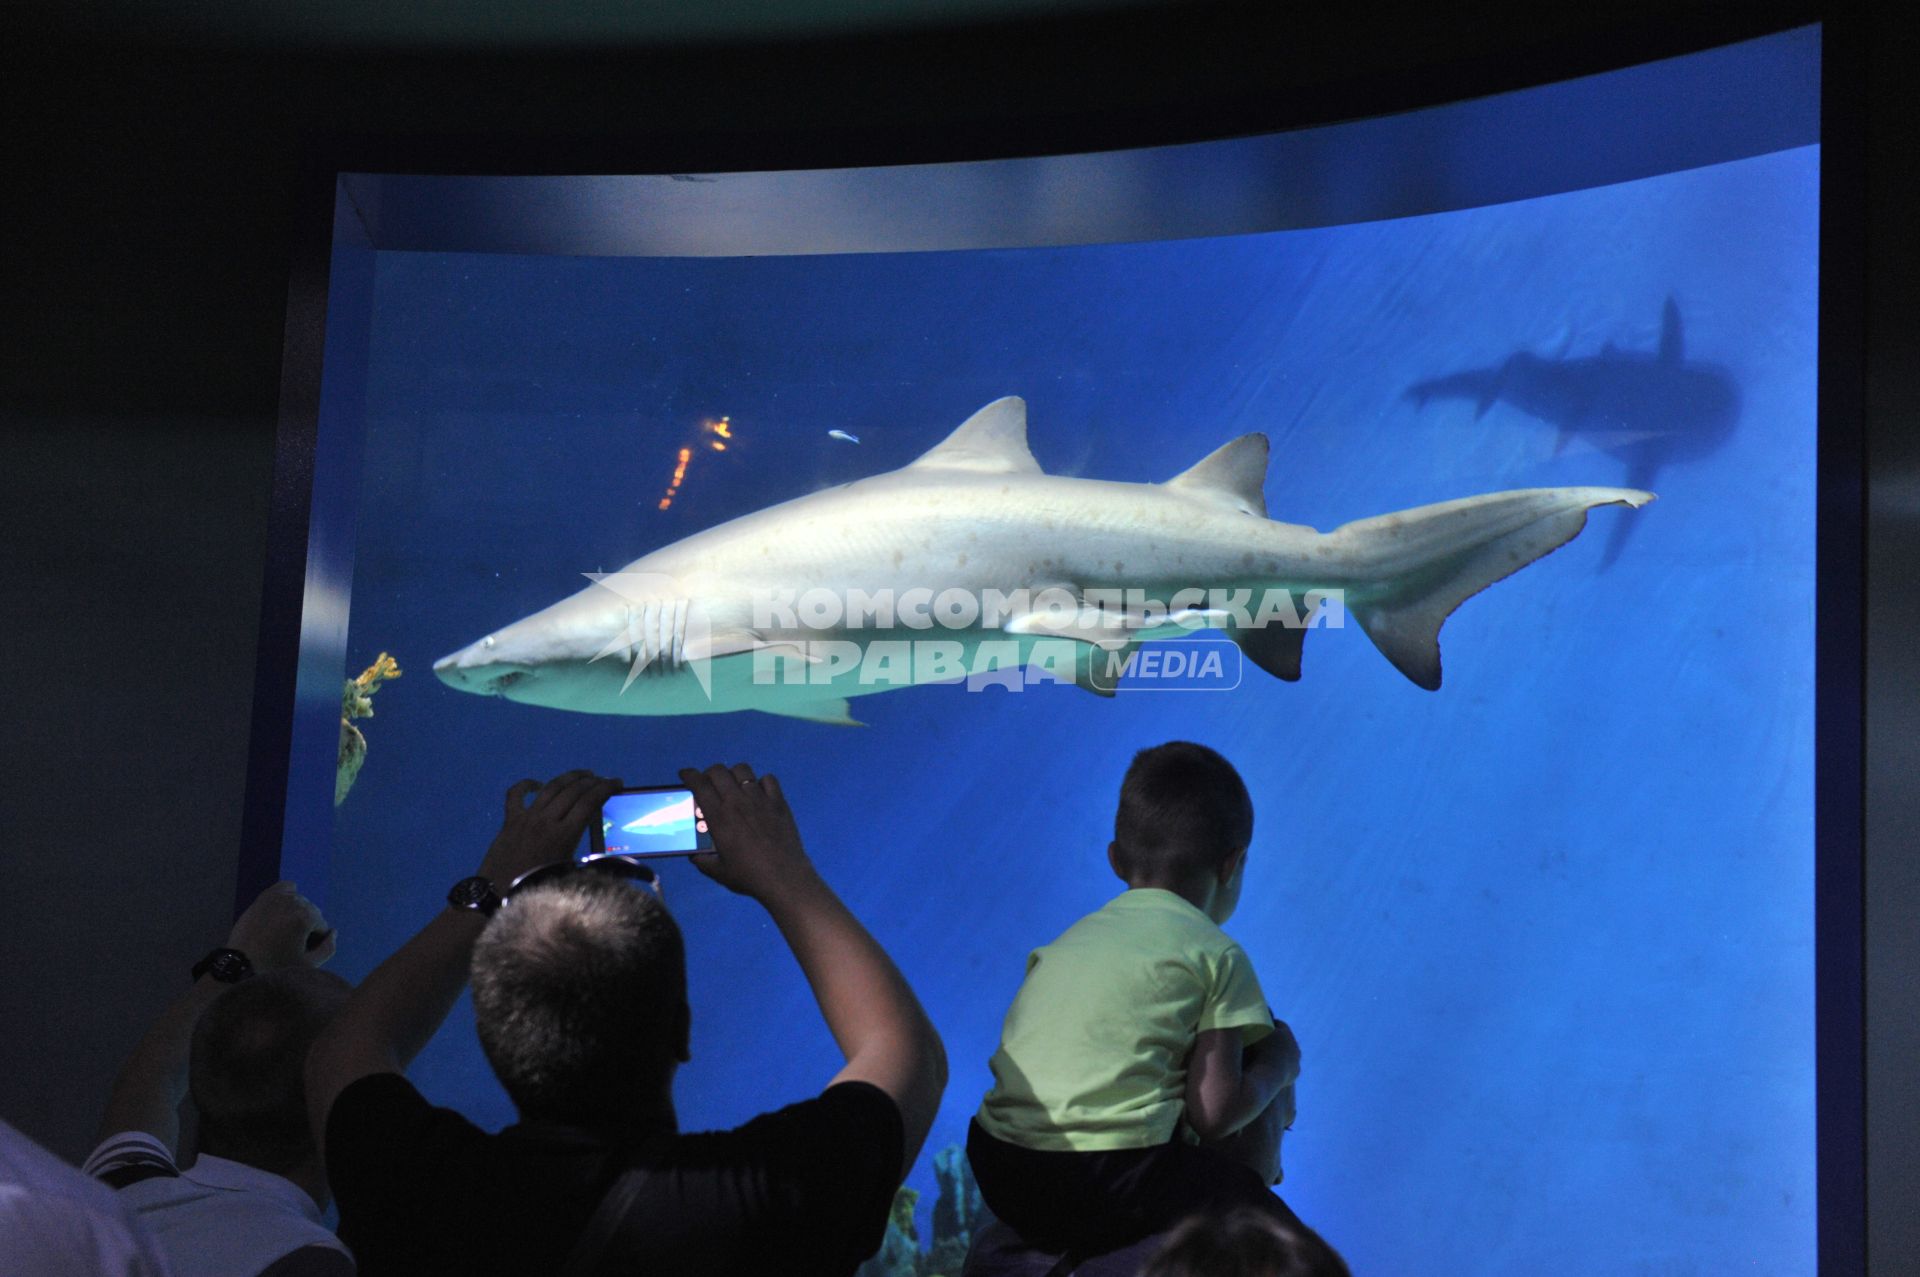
(579, 988)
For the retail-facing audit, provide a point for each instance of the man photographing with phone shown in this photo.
(580, 1002)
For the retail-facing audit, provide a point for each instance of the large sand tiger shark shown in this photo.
(709, 624)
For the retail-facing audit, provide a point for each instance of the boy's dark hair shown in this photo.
(1244, 1242)
(247, 1062)
(579, 993)
(1183, 809)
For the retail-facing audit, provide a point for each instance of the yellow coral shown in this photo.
(356, 701)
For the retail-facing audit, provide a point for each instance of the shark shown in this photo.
(680, 812)
(1088, 567)
(1646, 408)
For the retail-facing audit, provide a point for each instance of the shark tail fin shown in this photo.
(1428, 561)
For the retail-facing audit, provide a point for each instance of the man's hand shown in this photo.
(282, 928)
(1278, 1052)
(548, 828)
(756, 845)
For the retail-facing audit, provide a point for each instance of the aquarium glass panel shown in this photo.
(1545, 934)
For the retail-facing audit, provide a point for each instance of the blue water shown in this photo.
(1545, 935)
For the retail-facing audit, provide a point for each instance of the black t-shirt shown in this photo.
(805, 1190)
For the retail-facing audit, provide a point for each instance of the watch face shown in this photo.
(228, 966)
(473, 893)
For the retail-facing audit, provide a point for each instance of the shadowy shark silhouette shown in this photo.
(1647, 409)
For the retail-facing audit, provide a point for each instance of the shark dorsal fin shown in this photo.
(1671, 339)
(993, 441)
(1233, 474)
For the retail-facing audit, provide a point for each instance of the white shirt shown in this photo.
(217, 1218)
(55, 1221)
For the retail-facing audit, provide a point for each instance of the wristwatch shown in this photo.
(476, 894)
(228, 966)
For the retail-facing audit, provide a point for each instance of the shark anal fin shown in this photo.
(1234, 474)
(1275, 648)
(836, 712)
(1099, 669)
(991, 441)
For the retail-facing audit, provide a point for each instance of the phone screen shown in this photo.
(655, 821)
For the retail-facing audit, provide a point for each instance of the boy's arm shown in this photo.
(1228, 1085)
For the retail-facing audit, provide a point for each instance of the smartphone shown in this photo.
(652, 820)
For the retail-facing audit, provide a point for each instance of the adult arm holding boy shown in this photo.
(1229, 1085)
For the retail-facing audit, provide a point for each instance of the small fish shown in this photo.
(843, 436)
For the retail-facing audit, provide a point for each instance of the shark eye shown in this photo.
(487, 641)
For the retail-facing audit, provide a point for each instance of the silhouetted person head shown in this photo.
(1244, 1242)
(1184, 815)
(580, 999)
(246, 1067)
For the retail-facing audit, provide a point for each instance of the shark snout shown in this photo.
(474, 668)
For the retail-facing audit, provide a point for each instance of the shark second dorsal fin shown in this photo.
(1672, 339)
(991, 441)
(1233, 474)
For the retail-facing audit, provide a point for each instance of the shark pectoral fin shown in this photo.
(1445, 554)
(836, 712)
(991, 441)
(708, 647)
(735, 642)
(1199, 618)
(1086, 624)
(1275, 648)
(1234, 474)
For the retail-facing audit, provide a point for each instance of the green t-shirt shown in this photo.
(1093, 1054)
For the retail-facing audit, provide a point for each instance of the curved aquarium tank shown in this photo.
(1543, 926)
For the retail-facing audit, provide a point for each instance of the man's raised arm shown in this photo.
(874, 1017)
(281, 928)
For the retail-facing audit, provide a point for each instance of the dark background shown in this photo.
(154, 170)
